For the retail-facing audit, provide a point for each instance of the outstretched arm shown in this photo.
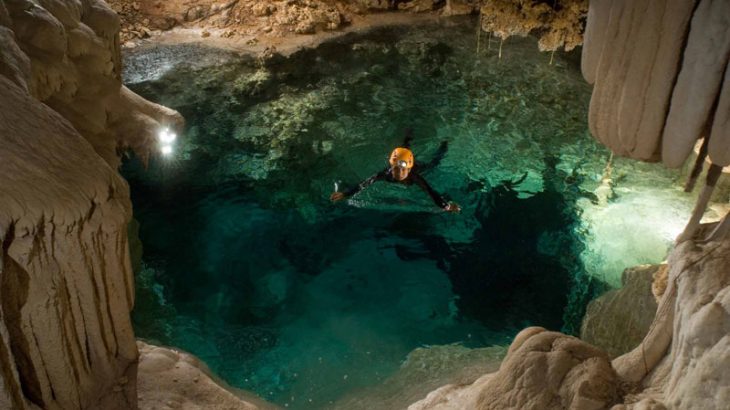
(336, 196)
(435, 196)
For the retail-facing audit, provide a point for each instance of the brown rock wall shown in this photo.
(66, 285)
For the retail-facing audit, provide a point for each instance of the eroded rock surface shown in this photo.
(172, 379)
(542, 370)
(66, 284)
(699, 352)
(67, 56)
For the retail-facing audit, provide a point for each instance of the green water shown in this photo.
(248, 265)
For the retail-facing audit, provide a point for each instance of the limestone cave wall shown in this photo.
(66, 285)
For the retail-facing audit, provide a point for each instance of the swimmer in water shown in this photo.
(403, 169)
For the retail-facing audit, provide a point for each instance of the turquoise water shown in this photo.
(248, 265)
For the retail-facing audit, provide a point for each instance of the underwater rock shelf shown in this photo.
(250, 267)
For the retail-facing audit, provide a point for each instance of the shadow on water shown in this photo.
(521, 267)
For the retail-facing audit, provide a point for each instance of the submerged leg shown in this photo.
(436, 160)
(408, 139)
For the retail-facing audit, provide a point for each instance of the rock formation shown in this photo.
(66, 285)
(173, 379)
(237, 18)
(618, 320)
(67, 56)
(542, 370)
(681, 363)
(659, 71)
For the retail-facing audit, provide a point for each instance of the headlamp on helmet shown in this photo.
(401, 158)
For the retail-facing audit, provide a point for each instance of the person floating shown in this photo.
(404, 170)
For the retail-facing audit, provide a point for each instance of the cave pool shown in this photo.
(248, 265)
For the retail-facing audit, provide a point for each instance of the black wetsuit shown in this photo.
(414, 177)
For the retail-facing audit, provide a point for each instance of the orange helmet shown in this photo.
(401, 157)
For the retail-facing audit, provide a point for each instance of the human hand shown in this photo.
(452, 207)
(337, 196)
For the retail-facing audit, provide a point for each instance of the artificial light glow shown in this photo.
(166, 149)
(166, 137)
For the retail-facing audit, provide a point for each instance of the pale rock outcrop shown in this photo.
(618, 320)
(169, 378)
(66, 53)
(683, 360)
(66, 286)
(543, 370)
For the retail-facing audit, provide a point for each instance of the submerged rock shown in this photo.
(619, 320)
(425, 369)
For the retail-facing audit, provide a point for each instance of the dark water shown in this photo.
(249, 266)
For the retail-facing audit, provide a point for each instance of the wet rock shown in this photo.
(618, 320)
